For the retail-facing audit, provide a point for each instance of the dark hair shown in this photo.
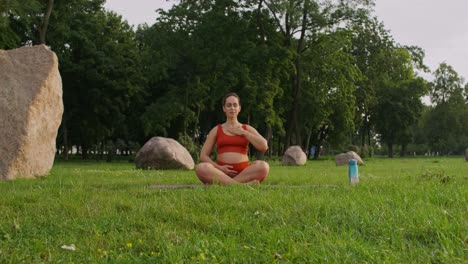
(230, 94)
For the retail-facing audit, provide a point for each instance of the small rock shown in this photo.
(163, 153)
(70, 247)
(294, 156)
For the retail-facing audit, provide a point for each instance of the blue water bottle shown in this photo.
(353, 172)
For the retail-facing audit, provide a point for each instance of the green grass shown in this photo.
(403, 211)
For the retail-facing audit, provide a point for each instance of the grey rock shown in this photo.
(163, 153)
(31, 109)
(343, 158)
(294, 156)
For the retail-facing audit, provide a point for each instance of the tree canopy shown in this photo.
(309, 73)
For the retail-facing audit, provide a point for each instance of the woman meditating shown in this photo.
(232, 140)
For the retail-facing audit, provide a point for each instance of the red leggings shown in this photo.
(236, 166)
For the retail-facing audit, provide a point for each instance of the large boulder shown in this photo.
(343, 158)
(163, 153)
(31, 109)
(294, 156)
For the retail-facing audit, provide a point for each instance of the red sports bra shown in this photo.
(227, 143)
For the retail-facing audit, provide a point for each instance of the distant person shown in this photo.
(232, 140)
(312, 151)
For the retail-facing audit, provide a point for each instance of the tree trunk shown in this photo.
(45, 22)
(390, 150)
(185, 121)
(297, 127)
(298, 79)
(403, 150)
(287, 138)
(369, 139)
(296, 88)
(364, 131)
(279, 151)
(322, 135)
(259, 22)
(195, 126)
(309, 135)
(270, 147)
(101, 150)
(84, 151)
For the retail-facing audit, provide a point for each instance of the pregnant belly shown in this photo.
(232, 157)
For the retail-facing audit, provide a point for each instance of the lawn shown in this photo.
(411, 210)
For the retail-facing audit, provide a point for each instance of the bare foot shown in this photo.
(253, 182)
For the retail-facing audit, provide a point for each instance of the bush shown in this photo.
(192, 147)
(366, 152)
(354, 148)
(134, 148)
(110, 149)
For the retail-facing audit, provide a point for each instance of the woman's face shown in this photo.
(231, 107)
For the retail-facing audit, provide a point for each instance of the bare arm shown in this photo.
(252, 135)
(208, 147)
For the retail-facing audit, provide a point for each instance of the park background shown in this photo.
(310, 73)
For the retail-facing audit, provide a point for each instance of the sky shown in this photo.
(439, 27)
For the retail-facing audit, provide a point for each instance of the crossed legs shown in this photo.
(209, 174)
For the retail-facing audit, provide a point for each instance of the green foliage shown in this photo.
(399, 100)
(447, 83)
(297, 66)
(194, 63)
(300, 214)
(438, 175)
(17, 22)
(352, 148)
(100, 68)
(110, 149)
(319, 90)
(328, 95)
(443, 126)
(366, 151)
(465, 93)
(192, 147)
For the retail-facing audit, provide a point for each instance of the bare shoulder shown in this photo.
(251, 129)
(213, 132)
(211, 138)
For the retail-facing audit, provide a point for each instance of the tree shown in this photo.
(328, 90)
(17, 22)
(447, 83)
(398, 99)
(45, 22)
(369, 39)
(446, 127)
(201, 50)
(302, 23)
(24, 22)
(447, 121)
(465, 92)
(100, 68)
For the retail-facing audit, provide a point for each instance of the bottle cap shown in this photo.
(352, 162)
